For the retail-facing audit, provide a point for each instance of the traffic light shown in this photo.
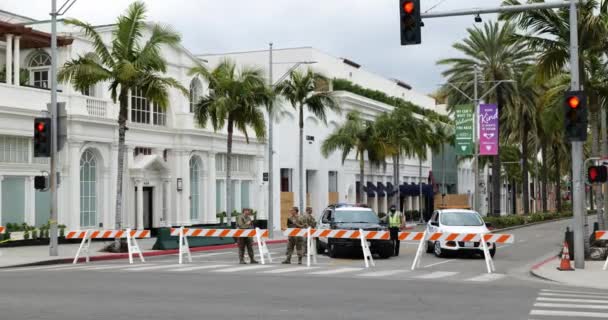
(597, 174)
(41, 182)
(410, 22)
(42, 137)
(575, 115)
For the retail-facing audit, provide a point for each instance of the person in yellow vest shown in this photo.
(395, 224)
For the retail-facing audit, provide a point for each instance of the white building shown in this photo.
(175, 170)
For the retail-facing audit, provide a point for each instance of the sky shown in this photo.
(365, 31)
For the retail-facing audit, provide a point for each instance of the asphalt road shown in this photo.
(215, 287)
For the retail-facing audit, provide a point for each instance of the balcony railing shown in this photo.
(97, 107)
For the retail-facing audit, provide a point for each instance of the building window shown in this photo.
(195, 186)
(220, 162)
(219, 192)
(143, 112)
(285, 180)
(333, 181)
(14, 149)
(196, 91)
(13, 200)
(245, 185)
(143, 151)
(88, 190)
(39, 66)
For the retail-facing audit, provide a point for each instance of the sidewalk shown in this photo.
(591, 277)
(37, 255)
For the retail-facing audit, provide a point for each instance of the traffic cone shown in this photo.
(564, 264)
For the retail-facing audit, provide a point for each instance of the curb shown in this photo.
(529, 225)
(118, 256)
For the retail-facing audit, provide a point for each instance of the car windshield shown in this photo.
(355, 216)
(461, 219)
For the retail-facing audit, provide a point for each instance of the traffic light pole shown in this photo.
(53, 247)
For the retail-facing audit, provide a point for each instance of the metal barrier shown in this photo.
(88, 235)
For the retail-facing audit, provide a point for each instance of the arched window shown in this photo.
(196, 91)
(195, 187)
(88, 189)
(39, 66)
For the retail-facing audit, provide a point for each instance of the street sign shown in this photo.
(488, 130)
(464, 130)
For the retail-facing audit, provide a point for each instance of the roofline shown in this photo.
(251, 51)
(18, 15)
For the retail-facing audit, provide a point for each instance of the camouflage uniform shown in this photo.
(297, 242)
(245, 222)
(309, 221)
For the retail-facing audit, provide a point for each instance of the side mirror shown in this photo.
(435, 223)
(489, 225)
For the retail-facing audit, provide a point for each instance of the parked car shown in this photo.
(457, 221)
(351, 217)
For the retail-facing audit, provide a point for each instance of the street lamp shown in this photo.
(270, 134)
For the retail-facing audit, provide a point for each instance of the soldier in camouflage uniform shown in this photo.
(310, 222)
(294, 222)
(244, 221)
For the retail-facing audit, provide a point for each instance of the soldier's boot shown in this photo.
(287, 260)
(242, 255)
(299, 260)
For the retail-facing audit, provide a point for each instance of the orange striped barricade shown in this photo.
(184, 248)
(2, 229)
(363, 236)
(602, 235)
(88, 235)
(423, 237)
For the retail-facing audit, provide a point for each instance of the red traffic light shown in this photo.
(593, 173)
(573, 102)
(40, 126)
(409, 7)
(597, 174)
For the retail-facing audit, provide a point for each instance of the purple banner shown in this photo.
(488, 130)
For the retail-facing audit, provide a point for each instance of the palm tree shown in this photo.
(304, 90)
(443, 134)
(359, 135)
(236, 99)
(499, 56)
(130, 64)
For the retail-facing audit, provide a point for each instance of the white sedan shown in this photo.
(457, 221)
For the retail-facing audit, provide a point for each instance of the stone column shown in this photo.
(1, 179)
(237, 195)
(30, 214)
(139, 221)
(166, 191)
(9, 59)
(211, 190)
(17, 60)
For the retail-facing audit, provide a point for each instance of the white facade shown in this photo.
(175, 170)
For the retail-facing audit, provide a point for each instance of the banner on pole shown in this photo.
(488, 130)
(464, 129)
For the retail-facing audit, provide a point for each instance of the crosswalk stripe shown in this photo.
(154, 267)
(487, 277)
(382, 273)
(572, 306)
(575, 295)
(64, 268)
(287, 270)
(578, 314)
(106, 267)
(336, 271)
(436, 275)
(204, 255)
(574, 292)
(244, 268)
(213, 266)
(135, 267)
(571, 300)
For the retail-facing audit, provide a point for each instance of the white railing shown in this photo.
(97, 107)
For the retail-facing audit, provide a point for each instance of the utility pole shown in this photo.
(475, 138)
(53, 247)
(270, 226)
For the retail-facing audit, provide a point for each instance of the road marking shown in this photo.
(210, 254)
(70, 268)
(153, 267)
(33, 268)
(521, 240)
(487, 277)
(243, 268)
(290, 269)
(572, 306)
(106, 267)
(436, 275)
(571, 300)
(569, 291)
(437, 263)
(572, 295)
(578, 314)
(213, 266)
(336, 271)
(382, 273)
(135, 267)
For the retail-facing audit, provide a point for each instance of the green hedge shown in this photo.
(516, 220)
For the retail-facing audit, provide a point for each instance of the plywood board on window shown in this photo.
(452, 201)
(333, 197)
(286, 204)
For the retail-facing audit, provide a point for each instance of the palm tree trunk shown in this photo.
(397, 197)
(544, 177)
(301, 158)
(420, 188)
(604, 137)
(524, 159)
(597, 192)
(514, 196)
(496, 159)
(122, 130)
(229, 200)
(558, 181)
(443, 193)
(361, 175)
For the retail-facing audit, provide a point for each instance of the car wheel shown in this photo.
(439, 253)
(386, 253)
(320, 248)
(429, 247)
(331, 250)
